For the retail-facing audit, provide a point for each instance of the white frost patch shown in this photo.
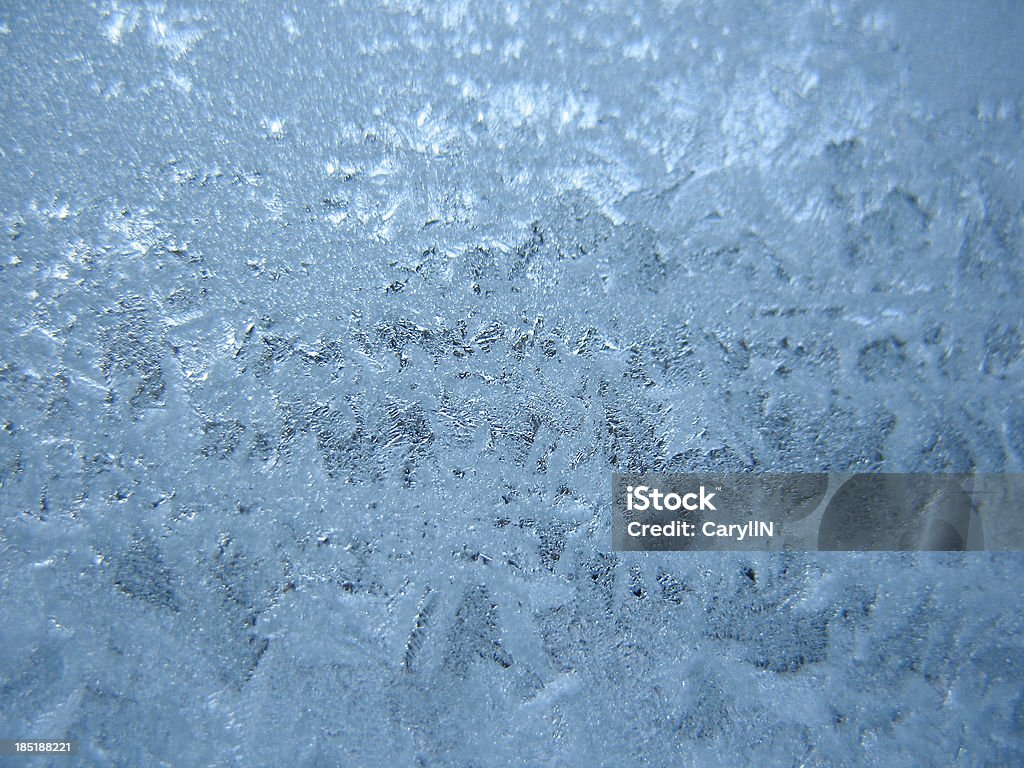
(274, 127)
(171, 36)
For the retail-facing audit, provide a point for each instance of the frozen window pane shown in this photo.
(323, 328)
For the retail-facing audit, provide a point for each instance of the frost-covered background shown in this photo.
(323, 326)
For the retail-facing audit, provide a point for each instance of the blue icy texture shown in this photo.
(324, 326)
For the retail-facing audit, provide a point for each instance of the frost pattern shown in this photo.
(323, 330)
